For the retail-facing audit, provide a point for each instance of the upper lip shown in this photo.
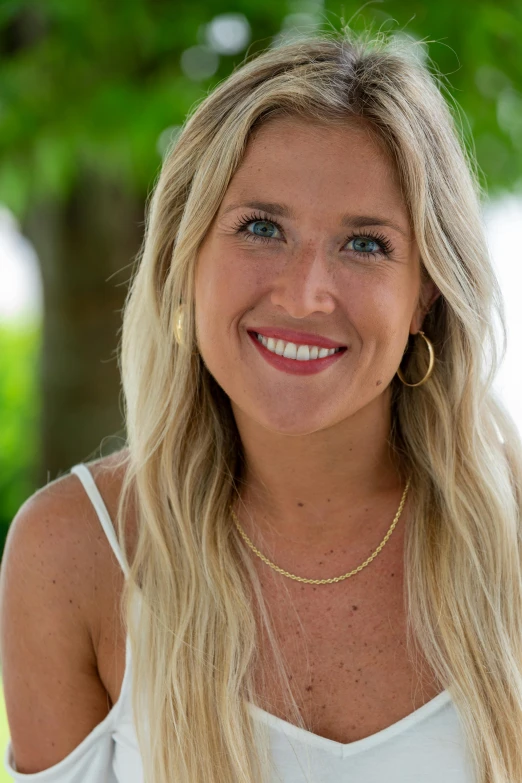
(299, 338)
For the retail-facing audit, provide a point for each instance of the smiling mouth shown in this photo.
(296, 351)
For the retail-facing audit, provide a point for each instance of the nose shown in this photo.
(305, 284)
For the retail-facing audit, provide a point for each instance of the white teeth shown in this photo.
(301, 353)
(290, 351)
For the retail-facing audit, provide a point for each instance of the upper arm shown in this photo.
(53, 694)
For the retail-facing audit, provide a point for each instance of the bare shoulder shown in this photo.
(56, 573)
(57, 529)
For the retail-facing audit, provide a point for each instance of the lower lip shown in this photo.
(293, 366)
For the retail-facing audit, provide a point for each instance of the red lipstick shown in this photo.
(293, 366)
(299, 338)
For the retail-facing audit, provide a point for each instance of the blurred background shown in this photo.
(91, 95)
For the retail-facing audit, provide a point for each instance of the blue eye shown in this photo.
(256, 227)
(364, 245)
(265, 228)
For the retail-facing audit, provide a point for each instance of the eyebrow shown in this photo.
(349, 221)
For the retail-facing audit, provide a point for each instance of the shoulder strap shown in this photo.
(84, 474)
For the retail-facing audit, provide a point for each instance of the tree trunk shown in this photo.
(86, 248)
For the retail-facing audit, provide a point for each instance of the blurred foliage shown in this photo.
(96, 83)
(19, 414)
(92, 83)
(4, 738)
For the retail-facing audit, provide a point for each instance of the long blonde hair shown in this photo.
(193, 644)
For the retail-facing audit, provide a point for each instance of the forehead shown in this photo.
(336, 166)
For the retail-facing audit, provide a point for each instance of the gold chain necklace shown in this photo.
(335, 578)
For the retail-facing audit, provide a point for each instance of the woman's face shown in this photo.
(311, 246)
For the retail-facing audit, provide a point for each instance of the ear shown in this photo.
(428, 296)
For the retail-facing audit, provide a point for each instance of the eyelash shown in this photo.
(241, 228)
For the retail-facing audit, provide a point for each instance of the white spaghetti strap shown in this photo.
(84, 474)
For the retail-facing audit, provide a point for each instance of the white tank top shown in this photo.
(428, 745)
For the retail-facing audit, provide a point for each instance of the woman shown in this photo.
(318, 511)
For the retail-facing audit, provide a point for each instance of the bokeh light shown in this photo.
(199, 62)
(228, 33)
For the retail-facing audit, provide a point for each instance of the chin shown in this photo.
(294, 423)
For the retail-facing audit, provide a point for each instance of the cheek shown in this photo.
(227, 283)
(225, 288)
(374, 303)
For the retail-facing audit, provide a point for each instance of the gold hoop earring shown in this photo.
(431, 364)
(179, 324)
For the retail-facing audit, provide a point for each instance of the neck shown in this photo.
(336, 487)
